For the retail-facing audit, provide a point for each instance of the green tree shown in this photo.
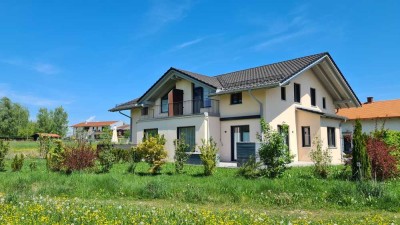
(27, 130)
(361, 166)
(44, 121)
(13, 117)
(59, 121)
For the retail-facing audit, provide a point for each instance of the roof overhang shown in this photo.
(322, 114)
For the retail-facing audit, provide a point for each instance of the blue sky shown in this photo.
(90, 55)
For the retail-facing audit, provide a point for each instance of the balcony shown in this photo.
(185, 108)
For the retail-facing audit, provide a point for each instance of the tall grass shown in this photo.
(297, 189)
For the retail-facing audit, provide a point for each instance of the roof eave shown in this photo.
(222, 92)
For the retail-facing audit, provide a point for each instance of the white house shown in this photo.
(372, 115)
(93, 130)
(303, 93)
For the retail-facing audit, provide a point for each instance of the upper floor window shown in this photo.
(331, 137)
(145, 111)
(283, 93)
(313, 98)
(236, 98)
(296, 92)
(164, 104)
(323, 103)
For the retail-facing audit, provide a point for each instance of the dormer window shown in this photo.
(236, 98)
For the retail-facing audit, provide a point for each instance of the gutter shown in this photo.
(124, 114)
(222, 92)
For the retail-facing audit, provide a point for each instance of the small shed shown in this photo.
(37, 135)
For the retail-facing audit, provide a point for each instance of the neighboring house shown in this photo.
(93, 130)
(303, 93)
(372, 115)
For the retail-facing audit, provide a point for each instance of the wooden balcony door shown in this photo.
(175, 102)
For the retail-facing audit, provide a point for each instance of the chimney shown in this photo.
(370, 99)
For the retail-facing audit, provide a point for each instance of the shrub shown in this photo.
(370, 189)
(17, 163)
(135, 159)
(208, 156)
(250, 169)
(44, 145)
(105, 156)
(383, 164)
(153, 152)
(79, 156)
(121, 155)
(274, 153)
(55, 156)
(181, 155)
(321, 158)
(4, 148)
(361, 166)
(33, 166)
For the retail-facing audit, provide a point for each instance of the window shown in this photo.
(164, 104)
(323, 103)
(283, 93)
(313, 100)
(297, 92)
(236, 98)
(331, 137)
(305, 135)
(284, 131)
(150, 133)
(145, 111)
(189, 135)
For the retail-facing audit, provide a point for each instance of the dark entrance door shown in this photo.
(175, 104)
(238, 134)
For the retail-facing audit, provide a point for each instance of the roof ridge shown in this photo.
(270, 64)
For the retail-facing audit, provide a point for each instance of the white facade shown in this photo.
(246, 116)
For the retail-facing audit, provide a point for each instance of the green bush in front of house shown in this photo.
(321, 157)
(153, 152)
(274, 153)
(181, 155)
(208, 156)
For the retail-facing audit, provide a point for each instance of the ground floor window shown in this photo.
(189, 135)
(306, 137)
(331, 137)
(150, 133)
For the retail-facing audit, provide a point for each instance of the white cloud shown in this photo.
(29, 99)
(40, 67)
(162, 13)
(282, 38)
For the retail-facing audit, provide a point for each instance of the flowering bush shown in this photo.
(383, 163)
(79, 156)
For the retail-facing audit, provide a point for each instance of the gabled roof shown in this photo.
(270, 75)
(94, 124)
(373, 110)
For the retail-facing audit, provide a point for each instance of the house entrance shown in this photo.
(238, 134)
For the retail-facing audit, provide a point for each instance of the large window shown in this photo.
(331, 137)
(313, 98)
(164, 104)
(189, 135)
(150, 133)
(283, 93)
(297, 92)
(236, 98)
(305, 136)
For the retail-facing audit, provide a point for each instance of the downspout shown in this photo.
(258, 101)
(261, 108)
(130, 125)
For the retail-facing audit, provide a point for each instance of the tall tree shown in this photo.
(13, 117)
(361, 166)
(60, 121)
(44, 121)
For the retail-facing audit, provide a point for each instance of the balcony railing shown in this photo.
(185, 108)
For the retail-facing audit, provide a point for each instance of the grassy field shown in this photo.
(297, 196)
(40, 196)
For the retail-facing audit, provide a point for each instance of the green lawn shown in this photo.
(296, 195)
(28, 148)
